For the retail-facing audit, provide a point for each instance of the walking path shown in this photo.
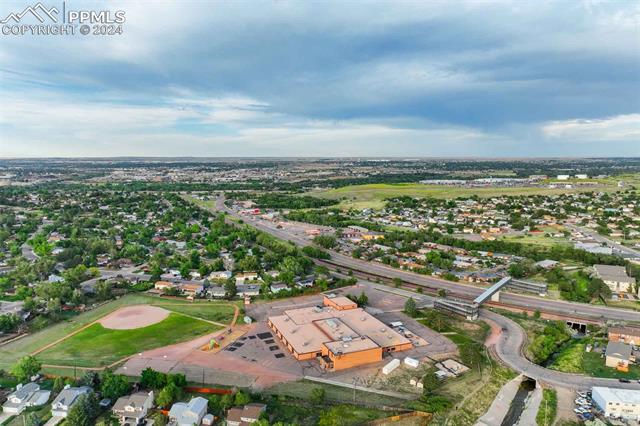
(500, 405)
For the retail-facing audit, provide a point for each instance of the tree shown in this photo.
(318, 396)
(242, 398)
(410, 307)
(152, 379)
(326, 241)
(91, 379)
(159, 419)
(168, 395)
(25, 368)
(58, 384)
(9, 322)
(32, 419)
(230, 288)
(103, 290)
(215, 404)
(363, 299)
(179, 379)
(397, 282)
(226, 401)
(84, 411)
(114, 385)
(430, 382)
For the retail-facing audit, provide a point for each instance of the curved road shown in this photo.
(511, 337)
(550, 306)
(509, 347)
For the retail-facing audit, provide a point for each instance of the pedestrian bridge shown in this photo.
(491, 291)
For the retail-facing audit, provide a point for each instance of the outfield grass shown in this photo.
(373, 195)
(97, 346)
(208, 311)
(12, 352)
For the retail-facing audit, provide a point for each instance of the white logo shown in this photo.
(51, 13)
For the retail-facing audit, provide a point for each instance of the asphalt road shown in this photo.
(602, 239)
(509, 349)
(519, 300)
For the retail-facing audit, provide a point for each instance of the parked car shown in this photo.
(624, 380)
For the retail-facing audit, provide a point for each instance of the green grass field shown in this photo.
(574, 359)
(97, 346)
(373, 195)
(12, 352)
(208, 311)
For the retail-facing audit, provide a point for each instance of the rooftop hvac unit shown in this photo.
(345, 345)
(382, 330)
(363, 319)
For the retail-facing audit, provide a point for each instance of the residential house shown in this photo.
(217, 292)
(615, 277)
(618, 355)
(243, 290)
(66, 399)
(242, 416)
(547, 264)
(247, 276)
(192, 289)
(24, 396)
(164, 285)
(220, 275)
(183, 414)
(278, 287)
(133, 408)
(306, 282)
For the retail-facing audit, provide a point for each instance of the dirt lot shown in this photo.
(136, 316)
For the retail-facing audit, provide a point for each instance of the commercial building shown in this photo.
(339, 334)
(624, 403)
(615, 277)
(628, 335)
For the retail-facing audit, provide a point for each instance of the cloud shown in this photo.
(481, 78)
(621, 127)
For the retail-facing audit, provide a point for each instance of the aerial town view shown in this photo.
(320, 213)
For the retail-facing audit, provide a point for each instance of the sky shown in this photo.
(344, 78)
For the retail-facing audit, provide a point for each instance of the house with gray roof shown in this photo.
(188, 414)
(29, 395)
(66, 399)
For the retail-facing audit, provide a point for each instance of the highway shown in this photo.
(579, 310)
(509, 346)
